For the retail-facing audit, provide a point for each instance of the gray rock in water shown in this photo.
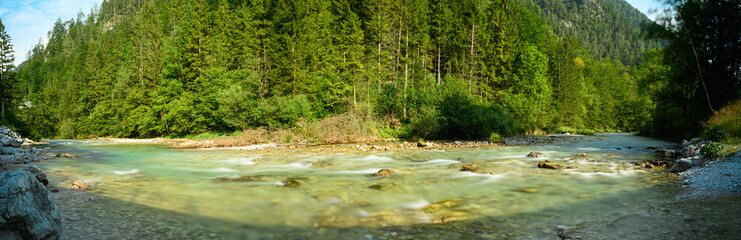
(535, 155)
(26, 208)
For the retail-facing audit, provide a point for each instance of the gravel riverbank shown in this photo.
(716, 179)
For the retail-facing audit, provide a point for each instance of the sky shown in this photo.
(645, 6)
(28, 21)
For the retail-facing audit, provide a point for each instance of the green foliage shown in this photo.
(698, 71)
(445, 69)
(495, 138)
(715, 134)
(712, 150)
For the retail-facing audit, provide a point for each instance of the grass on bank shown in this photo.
(342, 128)
(728, 119)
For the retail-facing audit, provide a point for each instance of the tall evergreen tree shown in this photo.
(7, 75)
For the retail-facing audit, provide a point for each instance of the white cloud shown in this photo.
(27, 22)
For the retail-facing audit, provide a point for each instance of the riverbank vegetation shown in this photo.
(319, 70)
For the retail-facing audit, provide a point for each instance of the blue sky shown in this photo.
(28, 21)
(645, 5)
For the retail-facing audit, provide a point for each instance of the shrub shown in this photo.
(715, 134)
(712, 150)
(495, 138)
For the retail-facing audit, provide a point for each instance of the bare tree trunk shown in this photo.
(379, 51)
(471, 63)
(141, 59)
(406, 72)
(438, 66)
(293, 52)
(398, 53)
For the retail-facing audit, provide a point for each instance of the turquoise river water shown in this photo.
(337, 199)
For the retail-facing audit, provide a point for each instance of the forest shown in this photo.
(410, 68)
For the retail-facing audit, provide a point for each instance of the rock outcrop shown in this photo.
(10, 151)
(26, 208)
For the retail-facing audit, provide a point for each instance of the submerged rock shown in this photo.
(65, 155)
(383, 172)
(549, 165)
(451, 217)
(291, 183)
(36, 171)
(239, 179)
(582, 155)
(26, 208)
(443, 205)
(526, 190)
(469, 167)
(79, 185)
(535, 155)
(424, 144)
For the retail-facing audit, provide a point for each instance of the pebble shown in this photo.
(368, 236)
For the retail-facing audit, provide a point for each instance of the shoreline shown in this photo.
(382, 145)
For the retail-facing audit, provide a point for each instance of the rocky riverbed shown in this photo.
(26, 207)
(143, 203)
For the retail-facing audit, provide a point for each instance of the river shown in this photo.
(150, 191)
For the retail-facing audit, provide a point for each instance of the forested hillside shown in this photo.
(607, 28)
(443, 69)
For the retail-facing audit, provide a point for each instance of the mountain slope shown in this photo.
(607, 28)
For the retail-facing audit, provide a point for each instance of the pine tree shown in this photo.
(7, 76)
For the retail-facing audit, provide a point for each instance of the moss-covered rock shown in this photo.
(550, 165)
(469, 167)
(383, 172)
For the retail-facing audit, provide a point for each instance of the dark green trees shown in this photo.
(7, 75)
(699, 71)
(445, 69)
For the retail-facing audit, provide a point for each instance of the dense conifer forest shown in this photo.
(409, 68)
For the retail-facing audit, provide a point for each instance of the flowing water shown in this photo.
(336, 195)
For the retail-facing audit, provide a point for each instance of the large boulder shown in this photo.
(26, 208)
(682, 165)
(36, 171)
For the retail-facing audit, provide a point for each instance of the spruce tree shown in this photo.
(7, 77)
